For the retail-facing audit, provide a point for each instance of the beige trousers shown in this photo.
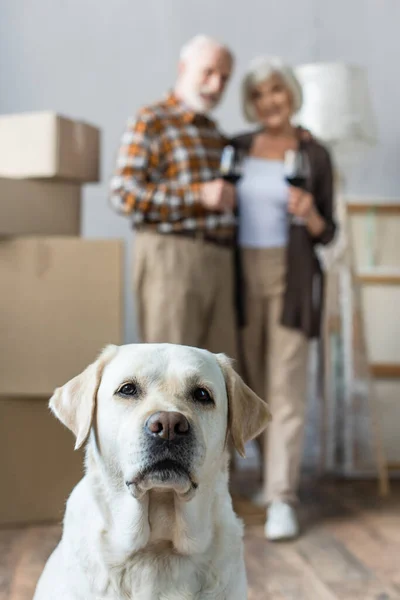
(184, 292)
(275, 364)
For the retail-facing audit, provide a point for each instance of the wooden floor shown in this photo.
(350, 548)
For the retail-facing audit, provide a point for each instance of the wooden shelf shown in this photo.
(378, 207)
(385, 370)
(379, 276)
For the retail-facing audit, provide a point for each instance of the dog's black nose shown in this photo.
(168, 425)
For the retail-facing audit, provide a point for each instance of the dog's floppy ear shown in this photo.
(248, 415)
(74, 402)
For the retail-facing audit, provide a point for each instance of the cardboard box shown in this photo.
(39, 208)
(46, 145)
(61, 302)
(38, 465)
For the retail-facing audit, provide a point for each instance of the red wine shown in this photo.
(231, 178)
(296, 181)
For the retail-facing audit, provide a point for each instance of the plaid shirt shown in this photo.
(166, 153)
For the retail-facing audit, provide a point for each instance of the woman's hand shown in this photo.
(301, 203)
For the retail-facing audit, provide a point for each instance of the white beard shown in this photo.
(194, 101)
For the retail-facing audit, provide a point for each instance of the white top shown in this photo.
(263, 199)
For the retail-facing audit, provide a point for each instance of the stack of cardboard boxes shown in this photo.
(60, 304)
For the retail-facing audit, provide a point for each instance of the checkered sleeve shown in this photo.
(132, 190)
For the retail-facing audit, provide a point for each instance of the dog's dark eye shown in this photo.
(128, 389)
(203, 396)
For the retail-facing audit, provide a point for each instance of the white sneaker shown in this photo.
(281, 523)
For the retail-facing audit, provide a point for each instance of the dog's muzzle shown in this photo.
(169, 446)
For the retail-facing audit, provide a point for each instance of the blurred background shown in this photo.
(99, 62)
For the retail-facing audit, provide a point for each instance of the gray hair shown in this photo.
(198, 43)
(262, 68)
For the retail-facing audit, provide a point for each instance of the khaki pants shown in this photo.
(184, 292)
(275, 364)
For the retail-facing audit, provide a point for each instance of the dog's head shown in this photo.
(160, 414)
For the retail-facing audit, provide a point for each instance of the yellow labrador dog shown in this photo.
(152, 519)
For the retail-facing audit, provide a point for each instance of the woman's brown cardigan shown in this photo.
(303, 301)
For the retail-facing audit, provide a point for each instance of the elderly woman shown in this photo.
(279, 228)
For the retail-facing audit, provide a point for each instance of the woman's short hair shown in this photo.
(262, 68)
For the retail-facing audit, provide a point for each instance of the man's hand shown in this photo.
(218, 195)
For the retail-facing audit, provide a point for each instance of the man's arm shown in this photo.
(131, 190)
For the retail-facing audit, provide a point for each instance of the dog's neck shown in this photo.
(159, 518)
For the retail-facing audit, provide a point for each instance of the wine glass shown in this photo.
(231, 164)
(296, 168)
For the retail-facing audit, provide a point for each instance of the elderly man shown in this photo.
(167, 180)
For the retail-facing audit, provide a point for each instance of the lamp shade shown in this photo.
(337, 108)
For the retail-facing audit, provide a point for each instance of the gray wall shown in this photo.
(100, 60)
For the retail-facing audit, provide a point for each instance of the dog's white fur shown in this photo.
(152, 541)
